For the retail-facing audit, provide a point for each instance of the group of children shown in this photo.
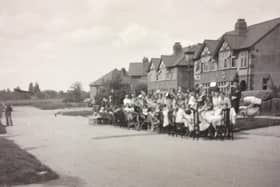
(164, 109)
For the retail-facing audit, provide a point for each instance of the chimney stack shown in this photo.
(145, 62)
(241, 26)
(177, 48)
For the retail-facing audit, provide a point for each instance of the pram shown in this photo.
(252, 106)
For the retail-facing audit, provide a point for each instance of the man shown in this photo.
(2, 110)
(8, 114)
(235, 95)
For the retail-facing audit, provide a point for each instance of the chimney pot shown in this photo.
(241, 26)
(177, 48)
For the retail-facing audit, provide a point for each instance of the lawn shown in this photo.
(84, 113)
(19, 167)
(45, 104)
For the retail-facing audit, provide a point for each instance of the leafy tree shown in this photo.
(31, 87)
(36, 88)
(76, 93)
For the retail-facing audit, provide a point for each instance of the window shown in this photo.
(233, 63)
(243, 59)
(206, 67)
(224, 59)
(264, 82)
(225, 63)
(197, 67)
(202, 67)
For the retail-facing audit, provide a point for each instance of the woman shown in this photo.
(217, 109)
(206, 113)
(165, 112)
(183, 117)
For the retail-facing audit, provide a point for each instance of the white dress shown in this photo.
(165, 116)
(217, 116)
(182, 117)
(213, 116)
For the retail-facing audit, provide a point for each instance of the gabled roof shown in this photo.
(169, 60)
(146, 66)
(112, 75)
(180, 59)
(192, 49)
(136, 69)
(253, 35)
(107, 77)
(210, 44)
(155, 62)
(197, 49)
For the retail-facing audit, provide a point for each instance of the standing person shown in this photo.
(8, 114)
(2, 110)
(235, 95)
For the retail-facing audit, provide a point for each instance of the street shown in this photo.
(90, 155)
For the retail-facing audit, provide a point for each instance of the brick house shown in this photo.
(99, 85)
(172, 71)
(137, 72)
(205, 65)
(251, 53)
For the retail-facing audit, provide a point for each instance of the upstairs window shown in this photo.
(233, 63)
(243, 59)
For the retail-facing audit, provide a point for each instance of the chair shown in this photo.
(227, 124)
(196, 132)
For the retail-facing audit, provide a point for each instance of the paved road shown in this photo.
(85, 155)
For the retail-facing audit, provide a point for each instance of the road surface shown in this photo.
(87, 155)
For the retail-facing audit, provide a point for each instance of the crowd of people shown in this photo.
(194, 110)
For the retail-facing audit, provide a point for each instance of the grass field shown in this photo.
(45, 104)
(19, 167)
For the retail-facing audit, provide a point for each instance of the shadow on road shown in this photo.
(123, 136)
(34, 147)
(66, 181)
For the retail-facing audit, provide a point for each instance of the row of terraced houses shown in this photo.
(249, 53)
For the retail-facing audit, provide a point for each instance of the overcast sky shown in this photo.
(58, 42)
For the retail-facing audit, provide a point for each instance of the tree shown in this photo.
(36, 88)
(30, 87)
(75, 94)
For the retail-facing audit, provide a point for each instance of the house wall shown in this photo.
(136, 81)
(152, 75)
(169, 82)
(185, 77)
(266, 59)
(162, 85)
(93, 92)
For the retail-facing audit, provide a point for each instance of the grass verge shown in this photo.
(254, 123)
(84, 113)
(45, 104)
(18, 167)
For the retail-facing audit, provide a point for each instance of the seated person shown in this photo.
(152, 119)
(182, 117)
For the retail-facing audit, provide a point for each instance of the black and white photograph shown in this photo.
(139, 93)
